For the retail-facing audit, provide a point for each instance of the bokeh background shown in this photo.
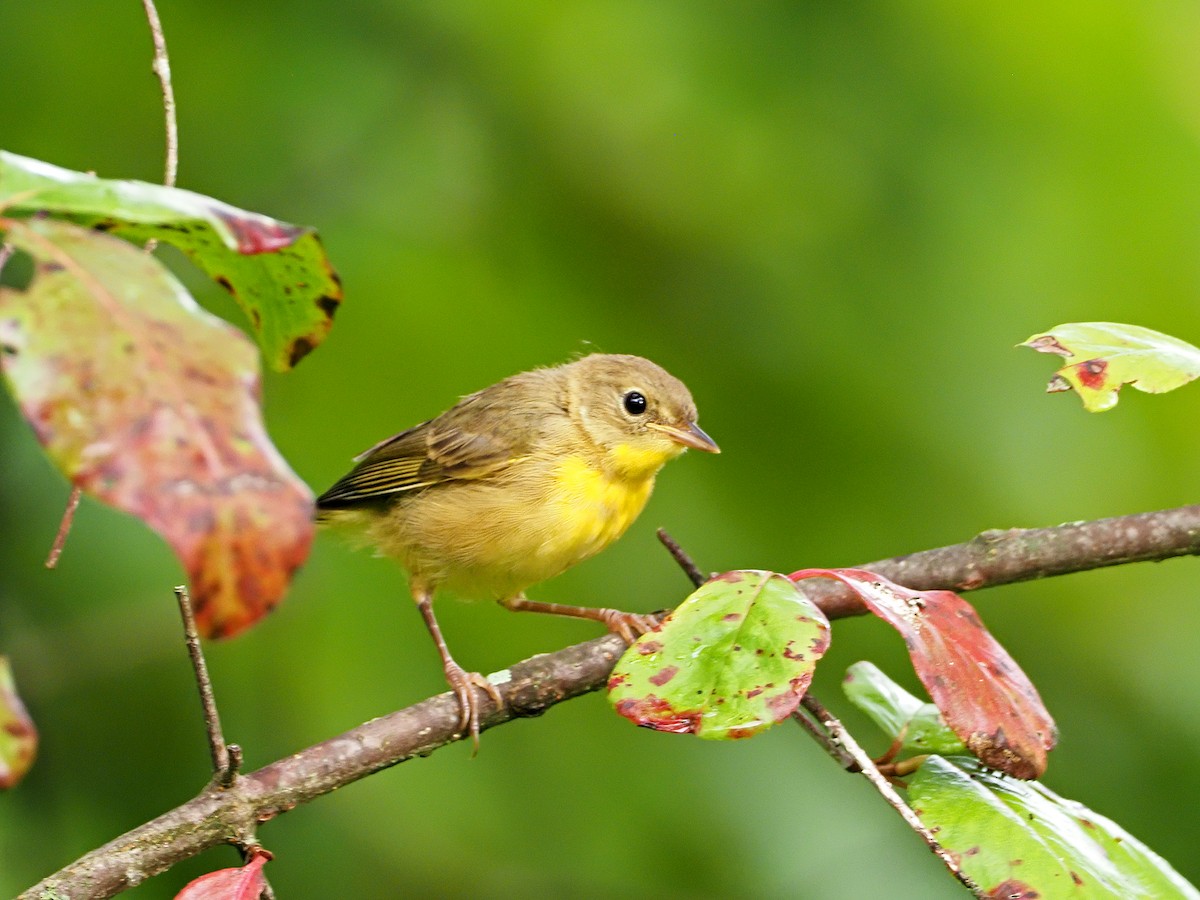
(833, 221)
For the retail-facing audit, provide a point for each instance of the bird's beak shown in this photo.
(690, 436)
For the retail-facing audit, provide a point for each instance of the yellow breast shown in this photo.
(596, 505)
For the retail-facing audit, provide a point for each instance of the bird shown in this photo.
(513, 485)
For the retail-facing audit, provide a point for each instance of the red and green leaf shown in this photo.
(733, 659)
(1102, 357)
(152, 405)
(981, 691)
(18, 737)
(277, 272)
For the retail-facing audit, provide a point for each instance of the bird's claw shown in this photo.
(463, 683)
(630, 626)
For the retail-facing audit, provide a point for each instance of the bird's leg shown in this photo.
(628, 625)
(460, 680)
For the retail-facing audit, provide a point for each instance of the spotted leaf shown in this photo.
(278, 273)
(733, 659)
(1019, 839)
(1102, 357)
(151, 404)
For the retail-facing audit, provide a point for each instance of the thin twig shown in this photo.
(223, 771)
(162, 68)
(838, 733)
(685, 562)
(64, 527)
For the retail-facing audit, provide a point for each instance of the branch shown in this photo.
(230, 815)
(1023, 554)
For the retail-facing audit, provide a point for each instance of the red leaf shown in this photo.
(982, 693)
(152, 405)
(244, 883)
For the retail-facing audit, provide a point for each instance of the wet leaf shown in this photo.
(735, 658)
(151, 404)
(277, 272)
(1103, 356)
(244, 883)
(18, 737)
(982, 693)
(1020, 839)
(897, 712)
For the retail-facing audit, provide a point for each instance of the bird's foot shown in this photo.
(463, 683)
(630, 626)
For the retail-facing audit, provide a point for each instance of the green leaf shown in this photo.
(277, 272)
(897, 712)
(18, 737)
(151, 404)
(1020, 839)
(1104, 356)
(735, 658)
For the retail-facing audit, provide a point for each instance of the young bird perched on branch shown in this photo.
(517, 483)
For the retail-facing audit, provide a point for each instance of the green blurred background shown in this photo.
(833, 221)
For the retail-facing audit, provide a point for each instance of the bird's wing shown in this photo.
(481, 435)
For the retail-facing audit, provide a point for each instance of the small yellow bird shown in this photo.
(517, 483)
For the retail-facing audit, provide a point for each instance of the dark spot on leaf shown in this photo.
(738, 733)
(226, 283)
(658, 679)
(731, 617)
(50, 267)
(655, 712)
(616, 681)
(18, 729)
(789, 653)
(648, 647)
(972, 851)
(1075, 878)
(301, 347)
(255, 317)
(1091, 373)
(329, 305)
(753, 692)
(1012, 890)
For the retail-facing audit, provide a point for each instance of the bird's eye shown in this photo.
(635, 403)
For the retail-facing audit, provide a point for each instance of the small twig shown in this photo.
(225, 758)
(838, 733)
(685, 562)
(162, 68)
(64, 527)
(810, 717)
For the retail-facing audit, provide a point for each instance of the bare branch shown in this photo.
(229, 815)
(1023, 554)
